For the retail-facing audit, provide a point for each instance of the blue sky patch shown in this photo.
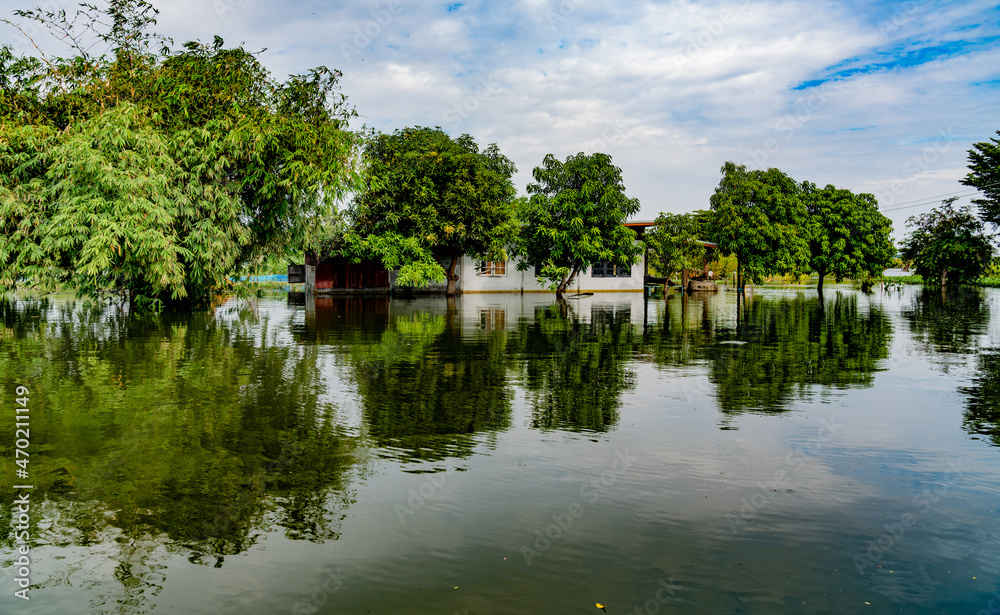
(902, 59)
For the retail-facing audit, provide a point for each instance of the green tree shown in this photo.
(948, 243)
(848, 237)
(984, 173)
(760, 217)
(159, 176)
(575, 217)
(116, 209)
(675, 244)
(428, 197)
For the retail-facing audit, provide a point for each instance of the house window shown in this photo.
(607, 269)
(492, 268)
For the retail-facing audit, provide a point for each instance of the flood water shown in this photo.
(504, 454)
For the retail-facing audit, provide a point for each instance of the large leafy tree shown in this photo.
(116, 206)
(984, 173)
(674, 243)
(575, 217)
(159, 175)
(848, 237)
(760, 217)
(948, 244)
(428, 198)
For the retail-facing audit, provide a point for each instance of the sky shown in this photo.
(880, 97)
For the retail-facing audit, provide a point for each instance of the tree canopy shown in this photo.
(948, 244)
(428, 197)
(675, 243)
(760, 217)
(984, 173)
(159, 175)
(848, 237)
(575, 217)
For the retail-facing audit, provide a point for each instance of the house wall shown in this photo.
(323, 277)
(635, 282)
(515, 281)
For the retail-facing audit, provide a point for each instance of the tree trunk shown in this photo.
(452, 276)
(819, 287)
(944, 277)
(561, 288)
(739, 276)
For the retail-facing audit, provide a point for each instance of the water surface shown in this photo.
(507, 454)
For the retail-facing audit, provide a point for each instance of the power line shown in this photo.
(928, 201)
(908, 207)
(931, 199)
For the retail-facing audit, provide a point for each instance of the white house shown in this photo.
(474, 276)
(503, 277)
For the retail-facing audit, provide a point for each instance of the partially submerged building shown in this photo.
(339, 276)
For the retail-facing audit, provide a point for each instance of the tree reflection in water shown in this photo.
(951, 324)
(793, 344)
(189, 434)
(194, 434)
(426, 388)
(576, 371)
(982, 414)
(947, 322)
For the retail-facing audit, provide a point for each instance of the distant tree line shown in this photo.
(774, 225)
